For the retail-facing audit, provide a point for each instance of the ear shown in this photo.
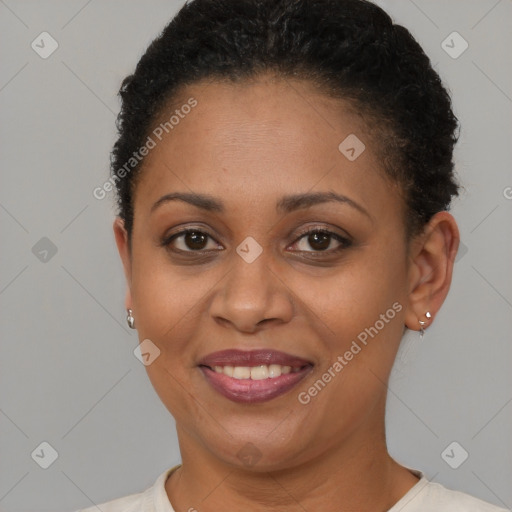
(431, 259)
(121, 236)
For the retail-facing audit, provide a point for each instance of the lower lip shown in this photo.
(253, 391)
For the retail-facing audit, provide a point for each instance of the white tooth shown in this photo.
(255, 372)
(241, 372)
(259, 372)
(228, 370)
(274, 370)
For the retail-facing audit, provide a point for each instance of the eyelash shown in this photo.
(344, 242)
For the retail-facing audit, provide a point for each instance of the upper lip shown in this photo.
(233, 357)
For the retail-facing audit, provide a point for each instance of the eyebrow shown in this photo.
(286, 204)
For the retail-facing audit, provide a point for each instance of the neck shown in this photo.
(355, 474)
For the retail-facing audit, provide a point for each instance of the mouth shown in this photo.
(253, 376)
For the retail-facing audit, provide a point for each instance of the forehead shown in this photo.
(258, 140)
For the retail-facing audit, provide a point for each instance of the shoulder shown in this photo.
(451, 500)
(153, 499)
(428, 496)
(131, 503)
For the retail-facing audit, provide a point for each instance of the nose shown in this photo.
(252, 295)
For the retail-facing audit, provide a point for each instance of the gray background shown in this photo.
(68, 375)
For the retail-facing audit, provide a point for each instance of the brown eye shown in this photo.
(195, 240)
(321, 240)
(189, 240)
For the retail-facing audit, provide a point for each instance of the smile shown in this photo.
(253, 376)
(250, 390)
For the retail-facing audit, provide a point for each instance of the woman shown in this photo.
(284, 170)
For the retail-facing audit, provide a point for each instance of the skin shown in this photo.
(249, 144)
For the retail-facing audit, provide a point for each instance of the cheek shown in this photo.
(354, 298)
(164, 299)
(363, 313)
(167, 307)
(363, 307)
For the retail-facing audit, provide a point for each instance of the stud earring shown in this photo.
(423, 323)
(130, 319)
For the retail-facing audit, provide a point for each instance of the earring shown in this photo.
(130, 319)
(423, 324)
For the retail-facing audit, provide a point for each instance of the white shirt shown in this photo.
(425, 496)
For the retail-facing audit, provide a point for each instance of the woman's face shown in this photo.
(252, 279)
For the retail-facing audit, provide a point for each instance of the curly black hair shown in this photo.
(350, 49)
